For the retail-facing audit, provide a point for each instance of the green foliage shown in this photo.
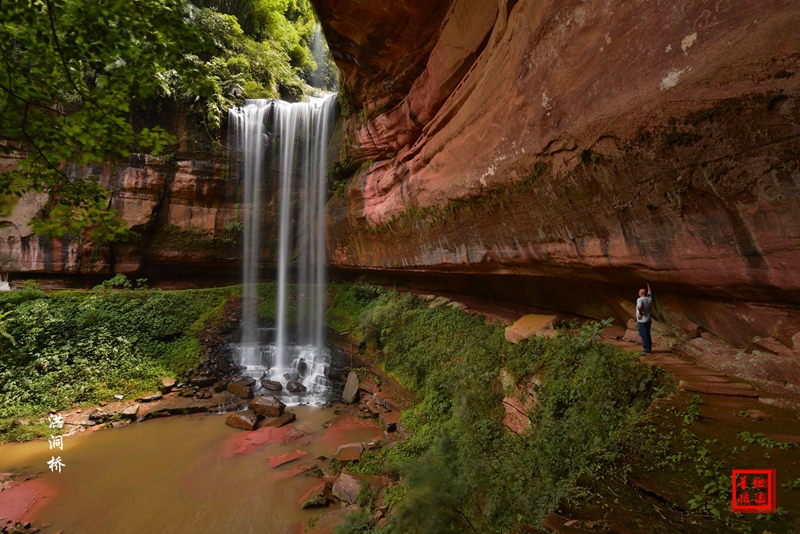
(71, 70)
(76, 347)
(4, 330)
(464, 469)
(349, 302)
(176, 238)
(692, 413)
(764, 441)
(118, 281)
(357, 522)
(73, 73)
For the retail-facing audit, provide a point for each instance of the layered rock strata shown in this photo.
(571, 150)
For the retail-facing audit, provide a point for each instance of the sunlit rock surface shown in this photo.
(564, 152)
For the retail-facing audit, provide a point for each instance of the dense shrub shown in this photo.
(463, 469)
(80, 346)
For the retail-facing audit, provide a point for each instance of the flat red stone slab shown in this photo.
(390, 420)
(731, 389)
(349, 452)
(286, 457)
(297, 470)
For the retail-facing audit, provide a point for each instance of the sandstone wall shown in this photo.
(576, 148)
(180, 207)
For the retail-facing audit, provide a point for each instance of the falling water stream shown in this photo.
(288, 143)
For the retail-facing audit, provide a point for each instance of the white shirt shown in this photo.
(643, 307)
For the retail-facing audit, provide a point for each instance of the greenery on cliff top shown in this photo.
(462, 469)
(73, 73)
(86, 346)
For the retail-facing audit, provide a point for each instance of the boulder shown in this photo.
(773, 345)
(368, 385)
(385, 400)
(389, 420)
(292, 377)
(529, 325)
(167, 384)
(204, 393)
(130, 411)
(295, 387)
(242, 387)
(438, 301)
(319, 495)
(632, 336)
(374, 409)
(796, 342)
(150, 398)
(203, 381)
(350, 388)
(347, 487)
(98, 415)
(272, 385)
(302, 367)
(284, 419)
(267, 406)
(245, 420)
(350, 452)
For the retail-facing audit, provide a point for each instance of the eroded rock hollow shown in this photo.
(561, 153)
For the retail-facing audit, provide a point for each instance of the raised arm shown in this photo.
(649, 291)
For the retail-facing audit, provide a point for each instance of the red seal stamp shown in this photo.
(754, 491)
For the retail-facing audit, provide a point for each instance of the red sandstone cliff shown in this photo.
(565, 151)
(551, 153)
(180, 208)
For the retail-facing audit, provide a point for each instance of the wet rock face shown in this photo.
(267, 406)
(242, 387)
(245, 420)
(602, 144)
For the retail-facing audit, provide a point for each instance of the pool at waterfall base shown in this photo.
(182, 474)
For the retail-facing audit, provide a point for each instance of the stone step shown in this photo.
(731, 389)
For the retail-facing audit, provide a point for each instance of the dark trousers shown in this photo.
(644, 332)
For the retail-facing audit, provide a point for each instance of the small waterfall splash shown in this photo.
(287, 143)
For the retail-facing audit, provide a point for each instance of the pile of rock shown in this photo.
(375, 403)
(15, 527)
(263, 406)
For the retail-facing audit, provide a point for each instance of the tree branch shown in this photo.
(464, 516)
(57, 44)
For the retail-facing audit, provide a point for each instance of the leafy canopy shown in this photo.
(73, 71)
(70, 72)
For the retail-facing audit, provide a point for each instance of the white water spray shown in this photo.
(294, 139)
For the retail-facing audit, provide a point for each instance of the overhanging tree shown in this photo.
(70, 73)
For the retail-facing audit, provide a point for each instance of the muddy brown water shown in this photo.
(179, 474)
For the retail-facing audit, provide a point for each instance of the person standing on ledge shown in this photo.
(644, 305)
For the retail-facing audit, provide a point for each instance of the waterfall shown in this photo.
(318, 52)
(286, 143)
